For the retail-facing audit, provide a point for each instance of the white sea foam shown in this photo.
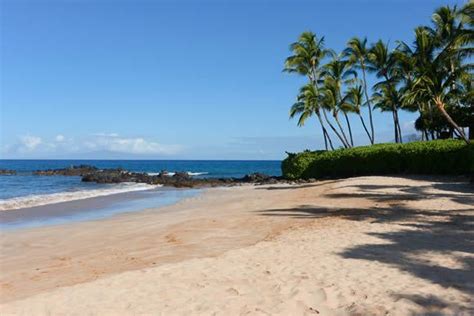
(197, 173)
(172, 173)
(43, 199)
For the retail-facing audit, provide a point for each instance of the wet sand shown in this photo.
(370, 245)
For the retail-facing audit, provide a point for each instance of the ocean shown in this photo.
(47, 200)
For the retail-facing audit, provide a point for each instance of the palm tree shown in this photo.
(358, 53)
(308, 52)
(355, 100)
(341, 73)
(331, 101)
(308, 104)
(382, 63)
(439, 55)
(386, 99)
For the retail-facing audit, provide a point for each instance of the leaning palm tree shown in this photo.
(341, 73)
(440, 54)
(330, 101)
(308, 52)
(355, 100)
(307, 105)
(358, 52)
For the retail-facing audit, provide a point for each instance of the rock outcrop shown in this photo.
(6, 172)
(177, 179)
(80, 170)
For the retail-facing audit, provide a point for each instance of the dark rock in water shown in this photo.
(163, 173)
(7, 172)
(256, 177)
(178, 180)
(108, 176)
(181, 176)
(80, 170)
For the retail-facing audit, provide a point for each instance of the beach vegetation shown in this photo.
(431, 76)
(451, 157)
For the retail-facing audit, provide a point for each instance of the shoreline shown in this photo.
(319, 239)
(92, 208)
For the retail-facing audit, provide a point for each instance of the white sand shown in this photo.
(363, 246)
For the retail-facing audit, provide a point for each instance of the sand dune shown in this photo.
(361, 246)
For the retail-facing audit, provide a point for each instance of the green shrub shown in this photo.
(433, 157)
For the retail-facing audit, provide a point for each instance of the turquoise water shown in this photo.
(28, 200)
(26, 184)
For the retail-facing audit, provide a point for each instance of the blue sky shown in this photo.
(173, 79)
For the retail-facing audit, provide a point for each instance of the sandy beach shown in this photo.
(359, 246)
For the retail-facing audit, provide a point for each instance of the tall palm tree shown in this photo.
(307, 105)
(382, 63)
(357, 52)
(355, 100)
(331, 101)
(385, 99)
(440, 55)
(341, 73)
(308, 52)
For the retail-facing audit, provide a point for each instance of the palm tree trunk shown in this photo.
(336, 117)
(365, 127)
(369, 106)
(440, 105)
(329, 139)
(349, 128)
(398, 127)
(325, 140)
(325, 132)
(399, 132)
(334, 129)
(395, 127)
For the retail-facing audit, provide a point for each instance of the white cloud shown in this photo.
(106, 134)
(133, 145)
(29, 142)
(30, 145)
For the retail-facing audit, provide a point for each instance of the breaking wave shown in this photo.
(44, 199)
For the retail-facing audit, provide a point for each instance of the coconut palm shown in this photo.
(357, 52)
(307, 105)
(308, 52)
(355, 100)
(432, 75)
(330, 100)
(382, 62)
(440, 55)
(386, 99)
(341, 73)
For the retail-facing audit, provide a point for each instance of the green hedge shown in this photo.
(433, 157)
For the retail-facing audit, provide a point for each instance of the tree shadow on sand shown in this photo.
(449, 232)
(459, 192)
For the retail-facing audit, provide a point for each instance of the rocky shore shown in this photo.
(178, 179)
(7, 172)
(79, 170)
